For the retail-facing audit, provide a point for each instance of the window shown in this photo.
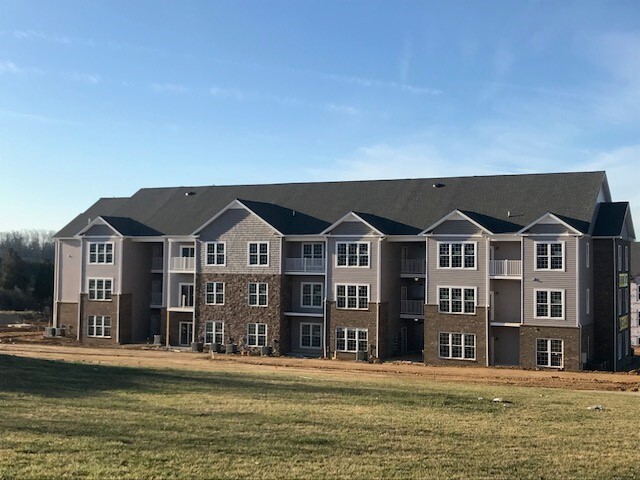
(311, 295)
(549, 255)
(100, 288)
(351, 339)
(549, 304)
(457, 300)
(259, 253)
(214, 293)
(588, 302)
(619, 301)
(549, 352)
(258, 294)
(310, 335)
(256, 334)
(215, 253)
(187, 251)
(352, 254)
(99, 326)
(352, 296)
(626, 258)
(619, 258)
(457, 345)
(101, 253)
(213, 332)
(186, 295)
(312, 250)
(457, 255)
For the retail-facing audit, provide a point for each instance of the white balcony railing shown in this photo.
(156, 263)
(156, 298)
(183, 264)
(304, 264)
(412, 307)
(186, 301)
(413, 266)
(505, 268)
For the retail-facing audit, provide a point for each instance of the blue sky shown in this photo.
(102, 98)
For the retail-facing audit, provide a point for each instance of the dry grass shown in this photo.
(65, 420)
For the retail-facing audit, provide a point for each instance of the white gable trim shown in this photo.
(235, 204)
(452, 214)
(98, 221)
(350, 217)
(546, 216)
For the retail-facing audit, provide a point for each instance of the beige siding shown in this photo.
(507, 299)
(100, 270)
(361, 275)
(99, 231)
(550, 279)
(69, 270)
(506, 250)
(456, 227)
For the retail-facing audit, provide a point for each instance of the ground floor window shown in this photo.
(310, 335)
(99, 326)
(257, 334)
(457, 345)
(352, 339)
(549, 352)
(213, 332)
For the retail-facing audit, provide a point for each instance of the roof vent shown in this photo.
(293, 212)
(189, 194)
(438, 185)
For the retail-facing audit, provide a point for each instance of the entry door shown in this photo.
(186, 330)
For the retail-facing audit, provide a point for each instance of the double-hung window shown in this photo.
(213, 332)
(216, 253)
(214, 293)
(457, 346)
(258, 294)
(311, 295)
(101, 252)
(549, 304)
(258, 254)
(549, 255)
(256, 334)
(313, 250)
(352, 296)
(460, 300)
(351, 339)
(352, 254)
(99, 326)
(549, 352)
(457, 255)
(100, 288)
(310, 335)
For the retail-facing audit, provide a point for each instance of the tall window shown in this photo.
(100, 288)
(549, 352)
(216, 253)
(101, 252)
(258, 294)
(457, 300)
(256, 334)
(310, 335)
(549, 304)
(549, 256)
(99, 326)
(213, 332)
(351, 339)
(457, 345)
(311, 295)
(626, 258)
(186, 294)
(352, 296)
(619, 258)
(214, 293)
(456, 255)
(258, 253)
(352, 254)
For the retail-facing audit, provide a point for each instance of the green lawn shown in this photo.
(63, 420)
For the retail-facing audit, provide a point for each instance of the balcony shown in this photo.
(183, 264)
(156, 263)
(156, 298)
(413, 267)
(304, 265)
(413, 308)
(505, 268)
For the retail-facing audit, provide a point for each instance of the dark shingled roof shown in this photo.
(610, 219)
(393, 206)
(129, 227)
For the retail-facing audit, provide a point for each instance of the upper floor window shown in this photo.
(100, 288)
(186, 294)
(457, 300)
(352, 296)
(101, 252)
(258, 294)
(456, 255)
(216, 253)
(352, 254)
(258, 253)
(549, 304)
(549, 256)
(311, 295)
(312, 250)
(214, 293)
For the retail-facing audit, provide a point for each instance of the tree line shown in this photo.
(26, 269)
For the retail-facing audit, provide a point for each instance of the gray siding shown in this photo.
(506, 298)
(99, 231)
(296, 289)
(456, 227)
(352, 228)
(69, 270)
(295, 335)
(362, 275)
(548, 228)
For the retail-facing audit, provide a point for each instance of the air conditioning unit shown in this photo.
(49, 332)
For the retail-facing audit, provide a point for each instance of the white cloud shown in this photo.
(36, 35)
(9, 67)
(374, 83)
(233, 93)
(90, 78)
(169, 88)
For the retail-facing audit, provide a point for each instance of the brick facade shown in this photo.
(68, 318)
(91, 307)
(570, 336)
(351, 318)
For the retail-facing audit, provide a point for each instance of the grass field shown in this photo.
(65, 420)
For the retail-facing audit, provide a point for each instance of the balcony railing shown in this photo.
(413, 266)
(505, 268)
(156, 263)
(183, 264)
(412, 307)
(304, 264)
(156, 298)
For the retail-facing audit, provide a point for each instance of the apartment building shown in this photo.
(524, 270)
(635, 293)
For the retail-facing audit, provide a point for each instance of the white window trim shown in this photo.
(357, 285)
(312, 244)
(214, 293)
(180, 294)
(475, 299)
(549, 290)
(258, 243)
(369, 256)
(462, 267)
(464, 335)
(95, 279)
(548, 340)
(187, 247)
(101, 317)
(257, 294)
(266, 334)
(311, 325)
(215, 255)
(302, 284)
(214, 331)
(346, 341)
(113, 253)
(549, 269)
